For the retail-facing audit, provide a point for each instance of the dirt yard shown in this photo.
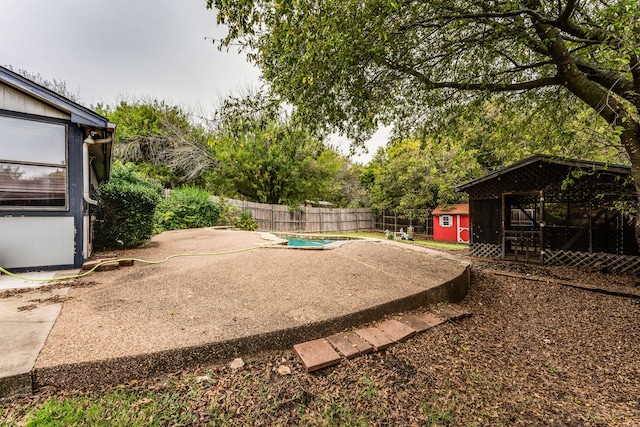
(532, 353)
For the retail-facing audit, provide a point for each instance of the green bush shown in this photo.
(245, 222)
(228, 211)
(125, 211)
(187, 207)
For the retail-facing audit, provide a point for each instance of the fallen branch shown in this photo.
(581, 286)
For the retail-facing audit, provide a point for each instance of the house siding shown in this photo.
(57, 236)
(20, 227)
(13, 100)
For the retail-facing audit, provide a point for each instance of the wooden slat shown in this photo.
(280, 218)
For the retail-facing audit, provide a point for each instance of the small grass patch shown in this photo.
(436, 416)
(441, 245)
(429, 243)
(116, 408)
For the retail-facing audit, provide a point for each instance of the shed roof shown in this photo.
(580, 164)
(456, 209)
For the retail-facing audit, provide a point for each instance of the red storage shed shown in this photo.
(451, 223)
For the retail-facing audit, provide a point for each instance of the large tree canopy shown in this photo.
(351, 64)
(412, 175)
(265, 156)
(501, 130)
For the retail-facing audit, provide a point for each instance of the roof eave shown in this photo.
(622, 169)
(78, 113)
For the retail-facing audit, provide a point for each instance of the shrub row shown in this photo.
(130, 209)
(187, 207)
(125, 212)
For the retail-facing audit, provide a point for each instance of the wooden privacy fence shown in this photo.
(305, 219)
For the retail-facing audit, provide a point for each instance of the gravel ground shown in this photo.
(532, 353)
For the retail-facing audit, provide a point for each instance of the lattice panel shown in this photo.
(486, 250)
(625, 264)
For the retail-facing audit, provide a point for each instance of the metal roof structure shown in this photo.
(585, 165)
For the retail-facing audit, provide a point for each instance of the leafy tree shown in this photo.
(162, 140)
(186, 207)
(345, 189)
(420, 171)
(351, 64)
(279, 164)
(418, 175)
(266, 156)
(502, 130)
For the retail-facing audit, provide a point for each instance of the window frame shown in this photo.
(64, 166)
(446, 221)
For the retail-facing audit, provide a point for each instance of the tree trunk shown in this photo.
(630, 139)
(604, 102)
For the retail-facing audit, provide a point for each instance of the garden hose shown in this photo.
(115, 261)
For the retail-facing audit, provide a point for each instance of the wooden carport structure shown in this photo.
(553, 211)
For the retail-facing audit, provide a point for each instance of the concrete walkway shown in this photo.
(25, 322)
(229, 300)
(39, 279)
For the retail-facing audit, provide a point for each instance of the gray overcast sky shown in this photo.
(109, 50)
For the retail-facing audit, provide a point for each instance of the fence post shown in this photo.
(395, 222)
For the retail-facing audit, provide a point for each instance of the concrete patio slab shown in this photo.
(34, 279)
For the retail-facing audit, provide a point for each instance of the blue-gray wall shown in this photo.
(75, 139)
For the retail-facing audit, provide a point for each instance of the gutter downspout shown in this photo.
(85, 166)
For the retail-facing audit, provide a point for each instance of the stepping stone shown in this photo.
(125, 262)
(396, 330)
(422, 322)
(316, 354)
(112, 264)
(452, 314)
(378, 339)
(350, 344)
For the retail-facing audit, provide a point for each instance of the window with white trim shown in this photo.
(33, 164)
(446, 221)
